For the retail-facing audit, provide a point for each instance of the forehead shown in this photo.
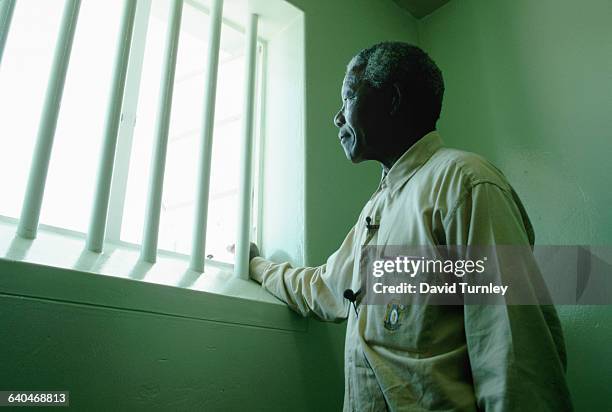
(352, 79)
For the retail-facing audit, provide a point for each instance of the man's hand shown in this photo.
(253, 250)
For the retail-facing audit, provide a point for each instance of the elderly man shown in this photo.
(424, 357)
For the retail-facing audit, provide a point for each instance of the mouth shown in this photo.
(343, 136)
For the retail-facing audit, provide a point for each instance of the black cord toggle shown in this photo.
(352, 297)
(369, 224)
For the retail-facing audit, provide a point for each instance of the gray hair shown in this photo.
(410, 68)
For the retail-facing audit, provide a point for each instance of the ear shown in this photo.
(396, 99)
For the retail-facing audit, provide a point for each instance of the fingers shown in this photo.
(253, 249)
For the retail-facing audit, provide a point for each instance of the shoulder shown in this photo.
(464, 170)
(451, 176)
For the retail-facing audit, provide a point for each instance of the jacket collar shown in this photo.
(412, 159)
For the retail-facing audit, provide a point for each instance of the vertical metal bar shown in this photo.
(201, 207)
(258, 181)
(97, 223)
(241, 264)
(125, 135)
(6, 15)
(30, 211)
(148, 253)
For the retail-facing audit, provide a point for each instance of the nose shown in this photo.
(339, 120)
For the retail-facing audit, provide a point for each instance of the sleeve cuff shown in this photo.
(257, 267)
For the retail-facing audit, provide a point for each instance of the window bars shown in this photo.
(6, 15)
(31, 207)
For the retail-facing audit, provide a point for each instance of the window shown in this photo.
(23, 78)
(79, 135)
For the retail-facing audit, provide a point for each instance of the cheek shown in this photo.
(354, 119)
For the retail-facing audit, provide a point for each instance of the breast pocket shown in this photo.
(399, 327)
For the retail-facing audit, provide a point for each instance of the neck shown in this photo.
(387, 161)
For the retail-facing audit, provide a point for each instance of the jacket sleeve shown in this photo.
(311, 290)
(516, 352)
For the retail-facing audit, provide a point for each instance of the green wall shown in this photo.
(529, 85)
(336, 189)
(123, 360)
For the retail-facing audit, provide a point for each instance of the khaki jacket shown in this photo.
(442, 358)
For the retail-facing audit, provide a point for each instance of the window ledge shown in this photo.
(56, 266)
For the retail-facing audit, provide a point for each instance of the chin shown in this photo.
(353, 154)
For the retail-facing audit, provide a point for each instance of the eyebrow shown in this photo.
(346, 93)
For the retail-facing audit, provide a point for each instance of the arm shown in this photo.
(516, 353)
(318, 290)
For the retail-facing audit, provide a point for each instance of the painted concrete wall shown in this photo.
(529, 85)
(336, 189)
(112, 359)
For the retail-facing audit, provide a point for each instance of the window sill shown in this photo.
(55, 266)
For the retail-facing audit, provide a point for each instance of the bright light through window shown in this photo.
(178, 200)
(71, 180)
(69, 191)
(23, 79)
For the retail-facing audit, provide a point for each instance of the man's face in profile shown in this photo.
(360, 118)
